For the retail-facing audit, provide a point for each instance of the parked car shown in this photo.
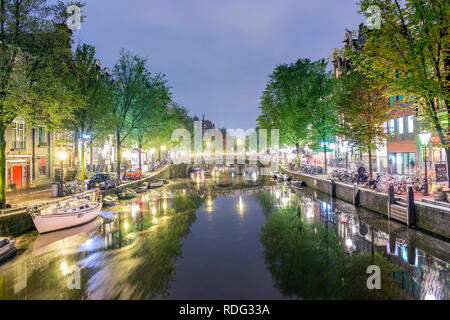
(132, 175)
(103, 180)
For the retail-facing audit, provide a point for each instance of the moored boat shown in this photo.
(127, 194)
(7, 248)
(156, 184)
(62, 216)
(142, 188)
(110, 201)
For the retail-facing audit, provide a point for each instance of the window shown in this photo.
(42, 136)
(400, 125)
(410, 124)
(391, 126)
(18, 135)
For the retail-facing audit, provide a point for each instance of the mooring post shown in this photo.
(355, 195)
(333, 189)
(391, 198)
(411, 207)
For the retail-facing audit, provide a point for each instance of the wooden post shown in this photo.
(411, 213)
(333, 189)
(391, 198)
(355, 195)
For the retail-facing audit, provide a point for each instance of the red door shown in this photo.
(17, 176)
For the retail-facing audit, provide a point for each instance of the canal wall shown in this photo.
(428, 217)
(18, 221)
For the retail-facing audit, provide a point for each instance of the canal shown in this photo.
(228, 237)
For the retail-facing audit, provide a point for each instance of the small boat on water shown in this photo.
(156, 184)
(165, 181)
(110, 201)
(7, 248)
(127, 194)
(64, 215)
(142, 188)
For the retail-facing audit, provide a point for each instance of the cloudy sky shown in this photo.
(217, 54)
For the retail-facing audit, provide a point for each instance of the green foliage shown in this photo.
(139, 98)
(298, 101)
(409, 54)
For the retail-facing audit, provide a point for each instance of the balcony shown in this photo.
(18, 145)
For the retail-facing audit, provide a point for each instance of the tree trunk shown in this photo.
(325, 155)
(119, 155)
(2, 168)
(140, 158)
(83, 149)
(91, 160)
(370, 164)
(297, 148)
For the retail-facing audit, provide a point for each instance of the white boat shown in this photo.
(7, 248)
(72, 213)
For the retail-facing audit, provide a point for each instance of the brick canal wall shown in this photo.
(19, 222)
(429, 217)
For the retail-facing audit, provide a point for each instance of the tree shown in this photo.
(35, 57)
(321, 108)
(135, 93)
(94, 91)
(363, 109)
(285, 101)
(413, 42)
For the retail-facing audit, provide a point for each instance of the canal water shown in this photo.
(228, 237)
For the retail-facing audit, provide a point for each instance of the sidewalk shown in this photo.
(29, 197)
(25, 197)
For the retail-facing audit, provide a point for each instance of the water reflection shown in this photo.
(300, 222)
(130, 257)
(224, 237)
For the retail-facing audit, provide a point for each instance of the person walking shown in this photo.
(361, 174)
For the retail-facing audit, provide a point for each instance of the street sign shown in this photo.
(435, 139)
(441, 172)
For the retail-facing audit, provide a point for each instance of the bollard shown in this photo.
(333, 189)
(411, 213)
(391, 198)
(355, 195)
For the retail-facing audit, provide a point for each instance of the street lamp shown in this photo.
(61, 155)
(424, 139)
(344, 148)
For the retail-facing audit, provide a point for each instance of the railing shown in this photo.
(42, 144)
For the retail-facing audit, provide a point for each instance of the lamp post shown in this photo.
(61, 155)
(424, 139)
(344, 148)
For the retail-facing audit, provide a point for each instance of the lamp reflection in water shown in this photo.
(209, 205)
(241, 205)
(63, 267)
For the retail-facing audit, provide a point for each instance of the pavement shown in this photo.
(31, 196)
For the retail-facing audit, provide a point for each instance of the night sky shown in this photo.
(217, 54)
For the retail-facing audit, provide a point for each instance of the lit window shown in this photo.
(400, 125)
(391, 126)
(410, 124)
